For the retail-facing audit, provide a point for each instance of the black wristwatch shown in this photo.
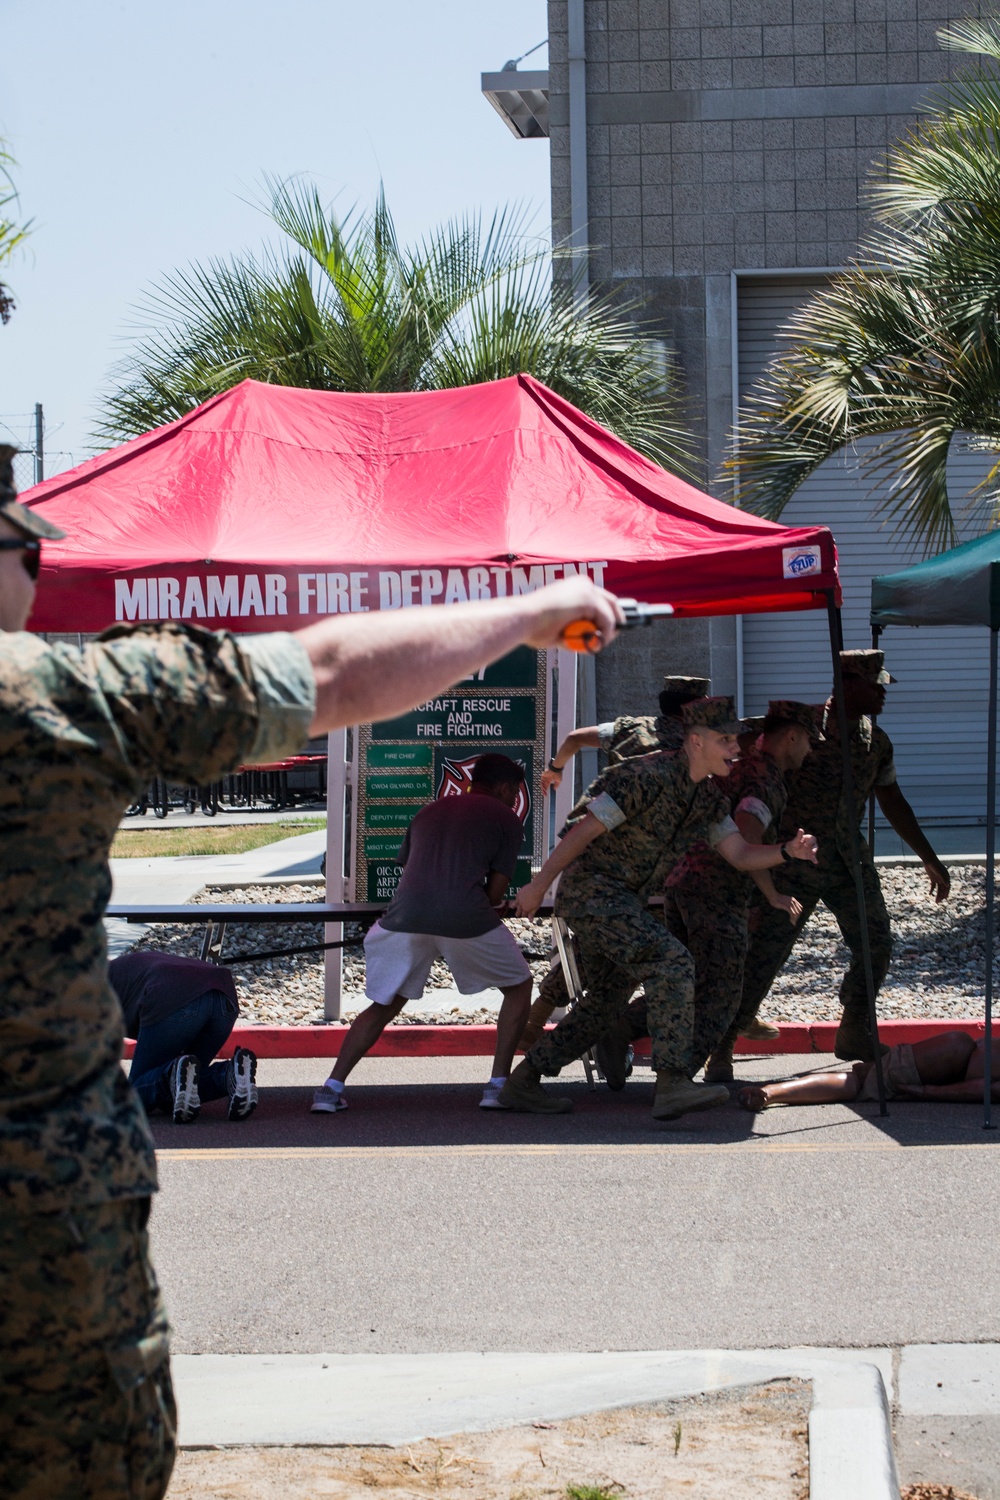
(553, 767)
(785, 854)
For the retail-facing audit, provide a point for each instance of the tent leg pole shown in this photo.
(836, 646)
(991, 805)
(876, 633)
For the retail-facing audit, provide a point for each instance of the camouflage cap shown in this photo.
(712, 713)
(869, 665)
(697, 687)
(805, 714)
(28, 521)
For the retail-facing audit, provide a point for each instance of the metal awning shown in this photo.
(521, 100)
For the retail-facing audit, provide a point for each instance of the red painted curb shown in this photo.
(479, 1041)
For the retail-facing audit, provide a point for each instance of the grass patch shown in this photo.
(593, 1492)
(152, 843)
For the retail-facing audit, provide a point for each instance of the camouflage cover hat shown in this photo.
(712, 713)
(28, 521)
(805, 714)
(696, 686)
(869, 665)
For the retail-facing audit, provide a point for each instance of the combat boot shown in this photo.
(538, 1016)
(760, 1031)
(719, 1068)
(677, 1095)
(524, 1094)
(853, 1042)
(614, 1053)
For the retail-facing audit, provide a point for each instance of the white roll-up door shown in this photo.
(936, 714)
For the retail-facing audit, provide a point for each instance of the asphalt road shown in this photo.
(416, 1222)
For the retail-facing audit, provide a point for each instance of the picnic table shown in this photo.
(216, 917)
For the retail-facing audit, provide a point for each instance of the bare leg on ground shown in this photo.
(364, 1032)
(510, 1025)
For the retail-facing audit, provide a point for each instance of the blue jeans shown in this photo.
(201, 1028)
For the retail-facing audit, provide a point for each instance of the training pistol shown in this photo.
(583, 635)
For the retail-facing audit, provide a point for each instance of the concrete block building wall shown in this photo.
(722, 136)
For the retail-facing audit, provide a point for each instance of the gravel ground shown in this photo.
(936, 971)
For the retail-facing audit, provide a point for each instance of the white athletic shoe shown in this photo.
(491, 1097)
(241, 1084)
(326, 1102)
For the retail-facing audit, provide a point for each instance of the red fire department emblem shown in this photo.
(456, 778)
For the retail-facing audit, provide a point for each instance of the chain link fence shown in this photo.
(35, 460)
(21, 430)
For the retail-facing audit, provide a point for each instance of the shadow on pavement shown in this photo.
(447, 1114)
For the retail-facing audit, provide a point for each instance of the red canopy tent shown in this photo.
(269, 506)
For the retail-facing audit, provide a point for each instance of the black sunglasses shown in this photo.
(32, 554)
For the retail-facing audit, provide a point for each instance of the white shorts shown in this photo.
(398, 963)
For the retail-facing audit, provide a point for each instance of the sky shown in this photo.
(140, 132)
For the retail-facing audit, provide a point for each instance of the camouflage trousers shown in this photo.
(715, 934)
(552, 989)
(622, 945)
(772, 937)
(87, 1410)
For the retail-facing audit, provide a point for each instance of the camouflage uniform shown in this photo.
(817, 804)
(87, 1409)
(653, 812)
(623, 739)
(706, 904)
(633, 735)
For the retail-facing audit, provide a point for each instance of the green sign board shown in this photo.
(383, 846)
(519, 669)
(453, 771)
(429, 753)
(382, 756)
(522, 874)
(492, 715)
(392, 815)
(383, 878)
(398, 784)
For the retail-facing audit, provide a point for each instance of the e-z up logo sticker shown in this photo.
(456, 778)
(800, 562)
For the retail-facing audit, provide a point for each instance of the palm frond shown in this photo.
(344, 306)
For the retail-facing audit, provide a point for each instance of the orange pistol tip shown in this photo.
(582, 635)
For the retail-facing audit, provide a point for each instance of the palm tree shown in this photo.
(344, 307)
(12, 234)
(904, 347)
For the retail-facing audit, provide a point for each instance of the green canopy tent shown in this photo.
(961, 587)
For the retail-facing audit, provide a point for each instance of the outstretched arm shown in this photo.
(752, 830)
(903, 821)
(765, 856)
(375, 666)
(569, 847)
(580, 739)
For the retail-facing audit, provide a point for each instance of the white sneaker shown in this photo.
(491, 1097)
(326, 1102)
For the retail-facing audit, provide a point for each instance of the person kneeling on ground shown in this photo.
(948, 1068)
(458, 856)
(181, 1012)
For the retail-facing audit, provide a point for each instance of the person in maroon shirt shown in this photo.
(458, 856)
